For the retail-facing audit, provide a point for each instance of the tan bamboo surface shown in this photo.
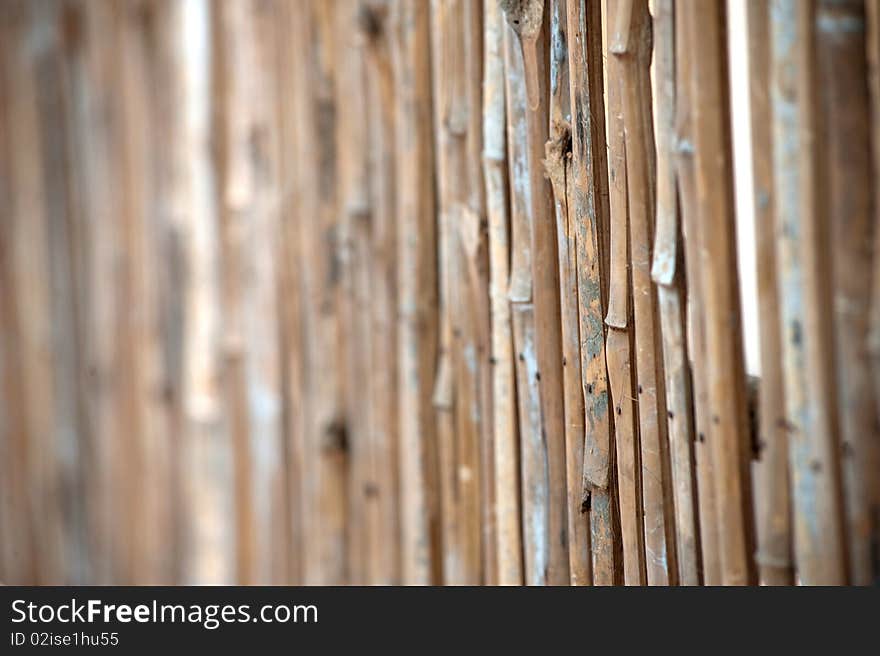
(773, 504)
(690, 213)
(447, 292)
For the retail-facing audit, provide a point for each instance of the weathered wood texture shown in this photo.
(437, 292)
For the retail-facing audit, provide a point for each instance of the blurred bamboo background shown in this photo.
(439, 292)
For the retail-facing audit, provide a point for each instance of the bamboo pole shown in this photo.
(558, 164)
(355, 257)
(533, 480)
(475, 241)
(325, 440)
(455, 393)
(873, 15)
(730, 444)
(686, 172)
(774, 556)
(530, 21)
(590, 199)
(506, 479)
(631, 44)
(251, 216)
(844, 103)
(375, 24)
(668, 275)
(417, 293)
(817, 526)
(620, 337)
(20, 553)
(590, 206)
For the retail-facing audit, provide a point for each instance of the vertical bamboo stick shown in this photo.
(667, 273)
(619, 341)
(774, 513)
(326, 440)
(558, 166)
(726, 375)
(534, 482)
(251, 207)
(149, 390)
(19, 550)
(455, 384)
(708, 512)
(873, 15)
(819, 554)
(207, 538)
(374, 17)
(355, 258)
(476, 243)
(507, 506)
(417, 292)
(29, 229)
(291, 293)
(844, 102)
(590, 205)
(531, 22)
(631, 43)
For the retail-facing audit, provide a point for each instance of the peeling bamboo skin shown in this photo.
(844, 102)
(590, 206)
(545, 276)
(558, 165)
(533, 480)
(534, 483)
(774, 556)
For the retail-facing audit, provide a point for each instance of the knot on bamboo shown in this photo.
(524, 16)
(557, 152)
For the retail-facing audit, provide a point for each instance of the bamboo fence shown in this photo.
(437, 292)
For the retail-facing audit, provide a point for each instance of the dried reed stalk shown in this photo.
(558, 164)
(251, 218)
(668, 274)
(356, 258)
(730, 442)
(686, 172)
(292, 291)
(534, 481)
(26, 297)
(475, 240)
(417, 292)
(455, 393)
(844, 103)
(530, 21)
(631, 44)
(620, 337)
(774, 555)
(819, 552)
(384, 543)
(873, 42)
(505, 442)
(590, 206)
(325, 440)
